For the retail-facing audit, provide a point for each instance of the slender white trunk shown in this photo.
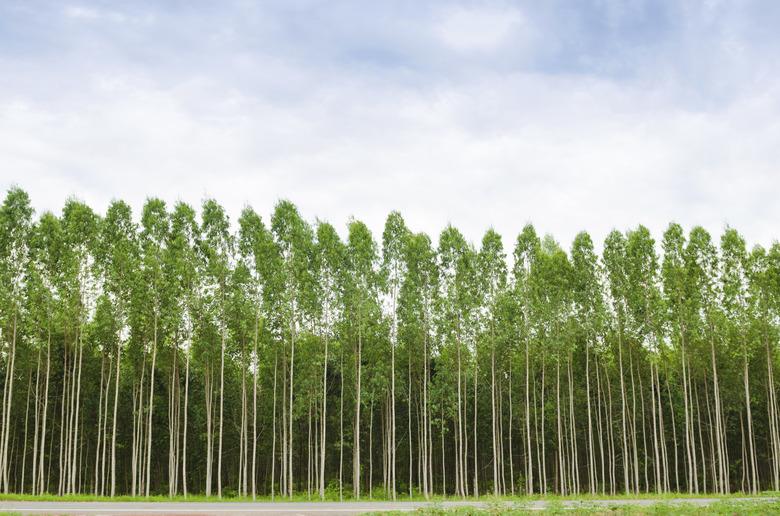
(511, 418)
(341, 432)
(186, 403)
(358, 368)
(221, 398)
(151, 409)
(273, 440)
(591, 452)
(116, 402)
(324, 409)
(99, 420)
(41, 482)
(493, 408)
(26, 420)
(292, 371)
(103, 437)
(392, 381)
(461, 487)
(753, 477)
(722, 465)
(36, 424)
(254, 410)
(623, 408)
(530, 461)
(476, 469)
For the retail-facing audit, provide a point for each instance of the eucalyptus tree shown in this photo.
(702, 266)
(98, 316)
(330, 257)
(564, 321)
(217, 246)
(414, 301)
(362, 258)
(493, 282)
(416, 297)
(49, 245)
(117, 256)
(15, 230)
(155, 226)
(103, 334)
(293, 238)
(80, 224)
(552, 273)
(375, 377)
(764, 285)
(256, 246)
(643, 303)
(40, 301)
(457, 270)
(242, 327)
(525, 254)
(737, 306)
(507, 327)
(678, 302)
(393, 269)
(614, 262)
(174, 335)
(587, 293)
(185, 267)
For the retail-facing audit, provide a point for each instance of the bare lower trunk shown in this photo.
(324, 411)
(254, 414)
(341, 432)
(273, 440)
(151, 408)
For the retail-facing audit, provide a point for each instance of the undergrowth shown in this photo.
(332, 495)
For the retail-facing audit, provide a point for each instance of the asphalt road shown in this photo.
(280, 508)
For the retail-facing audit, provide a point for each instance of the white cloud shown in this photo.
(480, 29)
(92, 15)
(570, 155)
(501, 147)
(82, 13)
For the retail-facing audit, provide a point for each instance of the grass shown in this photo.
(585, 507)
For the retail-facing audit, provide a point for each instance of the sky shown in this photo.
(568, 114)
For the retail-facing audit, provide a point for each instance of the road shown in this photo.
(283, 508)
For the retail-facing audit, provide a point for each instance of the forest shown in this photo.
(173, 352)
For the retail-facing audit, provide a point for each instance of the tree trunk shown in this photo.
(341, 432)
(221, 397)
(254, 411)
(116, 402)
(476, 469)
(392, 397)
(461, 451)
(151, 408)
(623, 407)
(356, 449)
(186, 402)
(43, 418)
(273, 440)
(324, 409)
(493, 408)
(371, 452)
(511, 418)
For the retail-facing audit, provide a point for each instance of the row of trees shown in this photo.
(178, 356)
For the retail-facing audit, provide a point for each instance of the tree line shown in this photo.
(177, 356)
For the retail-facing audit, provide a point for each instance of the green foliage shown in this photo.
(565, 346)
